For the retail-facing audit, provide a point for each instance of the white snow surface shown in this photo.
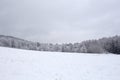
(16, 64)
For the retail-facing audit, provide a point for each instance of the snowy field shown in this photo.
(18, 64)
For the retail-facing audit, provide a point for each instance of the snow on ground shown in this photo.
(18, 64)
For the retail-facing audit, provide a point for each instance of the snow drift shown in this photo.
(18, 64)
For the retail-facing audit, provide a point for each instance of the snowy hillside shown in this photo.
(18, 64)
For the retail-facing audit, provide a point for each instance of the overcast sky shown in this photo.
(59, 21)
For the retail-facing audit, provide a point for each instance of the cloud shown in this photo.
(59, 21)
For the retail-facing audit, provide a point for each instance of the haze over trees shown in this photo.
(103, 45)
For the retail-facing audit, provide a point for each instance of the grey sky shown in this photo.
(60, 21)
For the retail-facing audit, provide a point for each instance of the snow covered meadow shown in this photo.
(16, 64)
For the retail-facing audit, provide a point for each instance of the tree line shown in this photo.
(103, 45)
